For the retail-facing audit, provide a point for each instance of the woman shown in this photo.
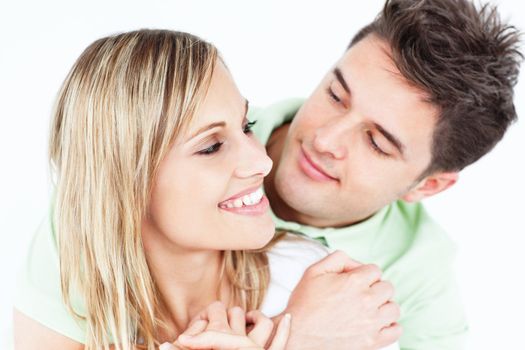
(159, 209)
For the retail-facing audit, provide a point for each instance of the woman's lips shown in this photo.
(312, 170)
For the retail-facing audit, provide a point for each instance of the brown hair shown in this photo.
(465, 60)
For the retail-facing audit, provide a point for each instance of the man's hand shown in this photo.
(342, 304)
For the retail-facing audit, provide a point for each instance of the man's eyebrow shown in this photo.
(393, 140)
(246, 105)
(341, 79)
(217, 124)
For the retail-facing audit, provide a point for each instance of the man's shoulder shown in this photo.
(273, 116)
(283, 107)
(421, 230)
(426, 253)
(404, 238)
(424, 278)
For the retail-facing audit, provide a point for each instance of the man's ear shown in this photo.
(431, 185)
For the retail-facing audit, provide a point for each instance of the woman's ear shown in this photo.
(431, 185)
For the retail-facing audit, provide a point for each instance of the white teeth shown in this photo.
(253, 198)
(257, 196)
(247, 200)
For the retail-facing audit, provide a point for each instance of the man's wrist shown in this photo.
(276, 319)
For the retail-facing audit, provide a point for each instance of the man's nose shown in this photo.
(329, 139)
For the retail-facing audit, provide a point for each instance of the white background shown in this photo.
(276, 50)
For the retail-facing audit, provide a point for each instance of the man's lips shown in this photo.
(311, 169)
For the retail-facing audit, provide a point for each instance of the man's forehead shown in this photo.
(372, 53)
(383, 95)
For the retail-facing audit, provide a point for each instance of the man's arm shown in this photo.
(342, 304)
(433, 315)
(30, 335)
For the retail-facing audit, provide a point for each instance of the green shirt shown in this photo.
(39, 295)
(415, 254)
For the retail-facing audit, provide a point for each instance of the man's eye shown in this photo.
(333, 96)
(212, 149)
(374, 145)
(248, 127)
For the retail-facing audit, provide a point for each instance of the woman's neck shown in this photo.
(187, 280)
(187, 285)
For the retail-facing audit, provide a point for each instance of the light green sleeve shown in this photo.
(433, 316)
(271, 117)
(39, 294)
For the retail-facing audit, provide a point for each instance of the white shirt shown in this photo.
(288, 259)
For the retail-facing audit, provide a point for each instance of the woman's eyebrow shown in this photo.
(217, 124)
(206, 128)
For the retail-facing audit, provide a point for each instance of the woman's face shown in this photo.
(207, 192)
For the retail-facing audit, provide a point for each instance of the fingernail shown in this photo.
(166, 346)
(287, 318)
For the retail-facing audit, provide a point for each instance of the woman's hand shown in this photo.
(218, 328)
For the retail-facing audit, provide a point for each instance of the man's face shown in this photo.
(359, 142)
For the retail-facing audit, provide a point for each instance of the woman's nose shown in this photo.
(253, 160)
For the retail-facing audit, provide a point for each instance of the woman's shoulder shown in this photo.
(288, 259)
(297, 248)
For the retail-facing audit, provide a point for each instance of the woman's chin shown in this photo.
(256, 237)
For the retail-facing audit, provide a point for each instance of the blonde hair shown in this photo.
(121, 106)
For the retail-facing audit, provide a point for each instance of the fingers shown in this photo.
(219, 328)
(167, 346)
(389, 313)
(389, 335)
(262, 329)
(237, 320)
(337, 262)
(281, 335)
(217, 317)
(383, 291)
(216, 340)
(196, 326)
(365, 274)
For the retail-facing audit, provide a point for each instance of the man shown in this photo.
(422, 92)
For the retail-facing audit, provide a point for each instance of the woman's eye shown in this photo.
(248, 127)
(212, 149)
